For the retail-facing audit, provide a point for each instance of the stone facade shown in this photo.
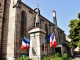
(10, 32)
(2, 2)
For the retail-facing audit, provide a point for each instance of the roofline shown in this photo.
(35, 11)
(40, 14)
(61, 29)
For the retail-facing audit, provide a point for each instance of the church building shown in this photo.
(16, 20)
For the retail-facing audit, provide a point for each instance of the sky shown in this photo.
(66, 10)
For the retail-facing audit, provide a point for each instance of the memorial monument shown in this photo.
(37, 38)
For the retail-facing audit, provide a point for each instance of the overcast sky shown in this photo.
(66, 10)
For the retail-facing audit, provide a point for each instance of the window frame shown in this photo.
(0, 4)
(22, 23)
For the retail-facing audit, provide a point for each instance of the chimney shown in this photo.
(54, 19)
(54, 13)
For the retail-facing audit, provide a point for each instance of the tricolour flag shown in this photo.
(48, 38)
(53, 40)
(44, 47)
(25, 43)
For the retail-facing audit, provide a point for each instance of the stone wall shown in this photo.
(1, 21)
(64, 49)
(8, 37)
(5, 29)
(61, 36)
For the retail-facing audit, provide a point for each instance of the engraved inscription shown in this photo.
(34, 46)
(34, 58)
(37, 36)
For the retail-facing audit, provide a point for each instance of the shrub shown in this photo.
(23, 58)
(66, 57)
(56, 56)
(6, 58)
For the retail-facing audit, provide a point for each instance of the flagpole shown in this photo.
(48, 34)
(55, 22)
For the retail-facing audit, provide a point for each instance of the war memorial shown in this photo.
(18, 20)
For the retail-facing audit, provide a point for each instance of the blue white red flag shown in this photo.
(45, 47)
(53, 40)
(48, 38)
(25, 43)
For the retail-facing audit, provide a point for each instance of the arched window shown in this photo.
(22, 23)
(59, 36)
(0, 4)
(46, 29)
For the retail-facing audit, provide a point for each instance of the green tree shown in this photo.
(74, 31)
(79, 44)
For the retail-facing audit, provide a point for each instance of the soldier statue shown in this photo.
(37, 20)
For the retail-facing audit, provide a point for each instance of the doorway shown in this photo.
(58, 50)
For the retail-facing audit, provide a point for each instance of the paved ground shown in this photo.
(76, 57)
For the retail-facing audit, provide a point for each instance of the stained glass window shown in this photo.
(22, 23)
(46, 29)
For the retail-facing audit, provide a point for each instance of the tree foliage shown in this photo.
(79, 44)
(74, 31)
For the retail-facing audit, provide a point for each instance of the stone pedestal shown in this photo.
(10, 58)
(37, 38)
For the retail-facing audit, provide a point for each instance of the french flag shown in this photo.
(48, 38)
(45, 47)
(53, 40)
(25, 43)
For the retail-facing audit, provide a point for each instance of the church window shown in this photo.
(22, 24)
(0, 4)
(60, 32)
(34, 21)
(59, 36)
(46, 29)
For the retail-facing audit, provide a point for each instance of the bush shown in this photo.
(66, 57)
(24, 58)
(56, 56)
